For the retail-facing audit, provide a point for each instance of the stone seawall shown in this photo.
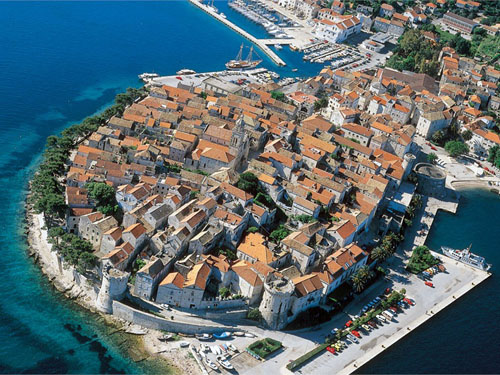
(63, 276)
(143, 319)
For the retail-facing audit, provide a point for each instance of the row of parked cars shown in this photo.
(355, 334)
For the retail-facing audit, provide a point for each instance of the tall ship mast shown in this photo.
(241, 64)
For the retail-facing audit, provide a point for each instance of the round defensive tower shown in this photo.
(431, 180)
(276, 302)
(113, 287)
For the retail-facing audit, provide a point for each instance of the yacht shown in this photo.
(465, 256)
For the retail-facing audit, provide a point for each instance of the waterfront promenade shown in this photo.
(262, 45)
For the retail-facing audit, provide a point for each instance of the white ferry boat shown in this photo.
(465, 256)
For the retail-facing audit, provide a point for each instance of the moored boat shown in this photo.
(211, 364)
(185, 71)
(224, 362)
(222, 335)
(239, 64)
(204, 337)
(465, 256)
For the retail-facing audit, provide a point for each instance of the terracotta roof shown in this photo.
(305, 285)
(254, 245)
(174, 278)
(198, 276)
(136, 230)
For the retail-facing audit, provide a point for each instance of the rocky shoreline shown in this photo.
(140, 348)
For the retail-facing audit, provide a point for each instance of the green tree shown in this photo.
(432, 157)
(105, 199)
(224, 292)
(249, 183)
(252, 230)
(438, 137)
(254, 314)
(278, 95)
(456, 148)
(467, 135)
(279, 234)
(320, 103)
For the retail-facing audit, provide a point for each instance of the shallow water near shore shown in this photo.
(62, 61)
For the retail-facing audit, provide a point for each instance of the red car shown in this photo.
(428, 283)
(372, 324)
(433, 148)
(330, 349)
(349, 323)
(409, 301)
(387, 291)
(356, 333)
(392, 308)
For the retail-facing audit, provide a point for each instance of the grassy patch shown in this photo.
(264, 348)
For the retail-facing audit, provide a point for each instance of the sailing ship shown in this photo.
(465, 256)
(239, 64)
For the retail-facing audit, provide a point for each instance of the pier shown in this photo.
(260, 43)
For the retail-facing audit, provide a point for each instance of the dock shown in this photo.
(260, 43)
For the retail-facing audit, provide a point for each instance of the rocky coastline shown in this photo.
(139, 348)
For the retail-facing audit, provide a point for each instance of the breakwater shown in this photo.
(261, 44)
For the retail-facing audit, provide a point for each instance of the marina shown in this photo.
(264, 47)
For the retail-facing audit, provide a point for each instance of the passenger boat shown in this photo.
(239, 64)
(465, 256)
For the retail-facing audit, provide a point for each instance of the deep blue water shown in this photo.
(463, 338)
(62, 61)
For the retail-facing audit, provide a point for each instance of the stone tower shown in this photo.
(276, 301)
(113, 287)
(408, 163)
(239, 146)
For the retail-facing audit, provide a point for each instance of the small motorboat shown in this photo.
(239, 333)
(294, 69)
(166, 337)
(223, 335)
(211, 364)
(233, 348)
(248, 334)
(204, 337)
(224, 363)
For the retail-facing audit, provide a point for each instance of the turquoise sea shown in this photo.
(62, 61)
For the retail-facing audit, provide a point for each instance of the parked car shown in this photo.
(393, 309)
(372, 324)
(433, 148)
(353, 338)
(409, 301)
(429, 284)
(356, 333)
(165, 306)
(331, 349)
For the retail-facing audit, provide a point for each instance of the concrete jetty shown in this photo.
(263, 46)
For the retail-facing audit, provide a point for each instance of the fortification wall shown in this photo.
(143, 319)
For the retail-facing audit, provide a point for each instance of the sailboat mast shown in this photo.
(249, 58)
(240, 53)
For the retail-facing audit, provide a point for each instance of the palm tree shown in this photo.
(379, 253)
(358, 282)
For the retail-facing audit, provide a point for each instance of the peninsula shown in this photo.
(240, 219)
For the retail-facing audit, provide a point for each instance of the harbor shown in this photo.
(263, 46)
